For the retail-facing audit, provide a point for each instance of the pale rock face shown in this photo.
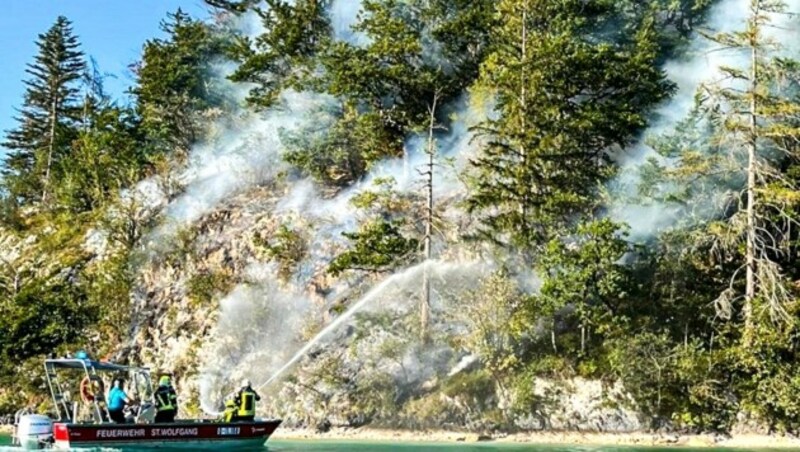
(9, 247)
(254, 326)
(95, 242)
(582, 405)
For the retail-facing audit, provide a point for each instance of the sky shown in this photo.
(111, 31)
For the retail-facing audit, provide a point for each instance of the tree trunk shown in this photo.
(51, 145)
(750, 289)
(523, 208)
(425, 305)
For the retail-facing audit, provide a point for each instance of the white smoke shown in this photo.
(700, 65)
(246, 152)
(327, 218)
(344, 15)
(261, 321)
(257, 329)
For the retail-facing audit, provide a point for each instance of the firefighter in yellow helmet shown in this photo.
(166, 401)
(245, 402)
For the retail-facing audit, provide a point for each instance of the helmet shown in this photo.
(245, 383)
(164, 380)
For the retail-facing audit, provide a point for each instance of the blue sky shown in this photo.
(111, 31)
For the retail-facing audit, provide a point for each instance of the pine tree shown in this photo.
(564, 97)
(753, 113)
(172, 85)
(282, 56)
(49, 116)
(415, 50)
(397, 73)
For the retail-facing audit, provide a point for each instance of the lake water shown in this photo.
(342, 446)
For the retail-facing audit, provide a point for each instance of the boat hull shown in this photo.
(177, 435)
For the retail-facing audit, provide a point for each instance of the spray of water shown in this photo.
(396, 294)
(373, 294)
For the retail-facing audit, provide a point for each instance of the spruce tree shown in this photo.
(49, 115)
(565, 97)
(283, 56)
(173, 83)
(751, 166)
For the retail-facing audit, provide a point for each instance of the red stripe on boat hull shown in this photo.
(188, 434)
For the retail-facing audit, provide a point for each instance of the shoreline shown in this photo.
(367, 434)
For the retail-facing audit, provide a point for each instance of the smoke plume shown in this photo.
(262, 322)
(699, 65)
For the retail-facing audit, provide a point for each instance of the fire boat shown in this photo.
(86, 423)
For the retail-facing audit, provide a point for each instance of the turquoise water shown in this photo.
(342, 446)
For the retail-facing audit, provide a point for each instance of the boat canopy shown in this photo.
(71, 363)
(94, 395)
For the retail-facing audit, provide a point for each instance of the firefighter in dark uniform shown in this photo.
(245, 402)
(166, 401)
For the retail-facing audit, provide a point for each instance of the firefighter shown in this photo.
(166, 401)
(230, 410)
(245, 402)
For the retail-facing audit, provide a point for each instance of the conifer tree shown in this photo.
(49, 115)
(753, 113)
(282, 56)
(564, 97)
(172, 85)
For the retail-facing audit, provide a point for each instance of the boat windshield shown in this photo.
(140, 385)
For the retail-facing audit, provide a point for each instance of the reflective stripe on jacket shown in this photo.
(166, 399)
(247, 403)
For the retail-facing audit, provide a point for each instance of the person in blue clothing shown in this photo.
(117, 400)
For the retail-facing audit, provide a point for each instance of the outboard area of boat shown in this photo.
(32, 431)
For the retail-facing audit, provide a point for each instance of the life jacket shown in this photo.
(247, 402)
(166, 400)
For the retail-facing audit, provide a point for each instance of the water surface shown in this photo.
(342, 446)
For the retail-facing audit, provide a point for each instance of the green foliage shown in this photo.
(105, 159)
(476, 384)
(339, 149)
(415, 50)
(461, 399)
(586, 290)
(49, 116)
(378, 246)
(679, 383)
(203, 288)
(546, 151)
(174, 84)
(108, 286)
(184, 245)
(489, 310)
(43, 315)
(384, 200)
(282, 56)
(287, 246)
